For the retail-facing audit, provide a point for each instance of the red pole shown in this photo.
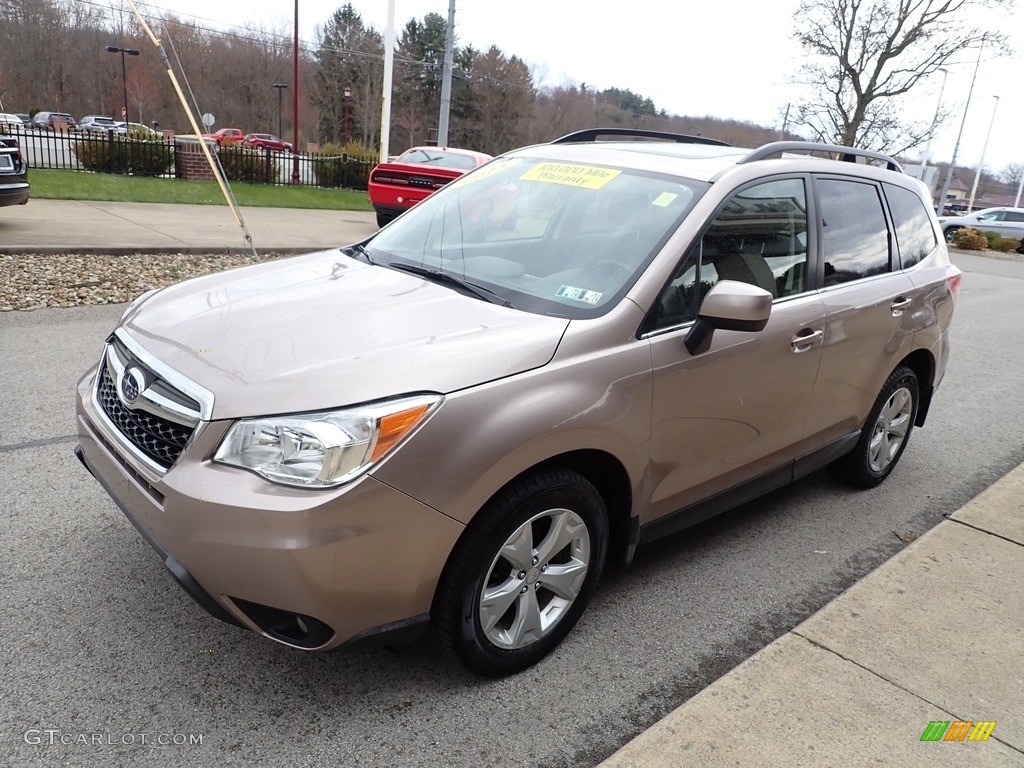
(295, 102)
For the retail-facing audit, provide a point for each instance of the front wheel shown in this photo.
(523, 573)
(885, 434)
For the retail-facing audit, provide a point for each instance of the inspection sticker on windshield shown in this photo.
(586, 176)
(579, 294)
(664, 199)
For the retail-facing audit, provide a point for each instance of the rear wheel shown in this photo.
(383, 218)
(522, 575)
(885, 433)
(951, 233)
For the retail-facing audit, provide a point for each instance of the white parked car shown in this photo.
(1008, 222)
(97, 124)
(15, 122)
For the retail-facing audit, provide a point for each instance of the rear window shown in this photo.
(439, 158)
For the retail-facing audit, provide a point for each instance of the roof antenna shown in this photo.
(218, 172)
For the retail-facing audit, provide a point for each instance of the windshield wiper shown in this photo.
(447, 278)
(358, 251)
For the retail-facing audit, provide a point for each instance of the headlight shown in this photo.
(325, 449)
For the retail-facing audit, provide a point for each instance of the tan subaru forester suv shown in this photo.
(573, 350)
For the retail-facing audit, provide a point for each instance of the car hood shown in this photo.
(323, 330)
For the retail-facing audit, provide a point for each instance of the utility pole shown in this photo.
(446, 78)
(956, 147)
(389, 68)
(981, 162)
(295, 100)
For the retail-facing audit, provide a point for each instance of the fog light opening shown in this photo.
(285, 626)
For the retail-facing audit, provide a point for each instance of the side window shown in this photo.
(758, 237)
(914, 234)
(855, 237)
(1013, 216)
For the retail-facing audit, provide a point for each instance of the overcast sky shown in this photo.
(730, 58)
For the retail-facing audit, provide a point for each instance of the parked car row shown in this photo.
(228, 136)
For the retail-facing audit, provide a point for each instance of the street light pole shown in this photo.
(295, 101)
(956, 146)
(981, 162)
(280, 89)
(931, 134)
(348, 95)
(124, 76)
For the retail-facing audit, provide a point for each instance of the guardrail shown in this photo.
(167, 158)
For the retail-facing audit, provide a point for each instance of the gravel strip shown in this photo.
(35, 281)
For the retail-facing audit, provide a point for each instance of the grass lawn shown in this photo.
(80, 185)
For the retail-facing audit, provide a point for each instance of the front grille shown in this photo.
(157, 438)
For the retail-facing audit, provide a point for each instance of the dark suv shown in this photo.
(13, 173)
(52, 121)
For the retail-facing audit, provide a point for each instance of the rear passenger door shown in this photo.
(868, 301)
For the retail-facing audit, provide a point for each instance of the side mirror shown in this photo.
(730, 306)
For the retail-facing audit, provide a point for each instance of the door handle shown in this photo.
(900, 304)
(804, 339)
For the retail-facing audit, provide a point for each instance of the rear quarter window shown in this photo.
(914, 234)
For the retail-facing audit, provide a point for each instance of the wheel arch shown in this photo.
(609, 476)
(922, 363)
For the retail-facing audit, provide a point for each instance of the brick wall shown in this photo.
(189, 160)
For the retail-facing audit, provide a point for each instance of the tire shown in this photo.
(951, 232)
(507, 598)
(383, 218)
(885, 434)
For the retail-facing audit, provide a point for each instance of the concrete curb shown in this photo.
(933, 634)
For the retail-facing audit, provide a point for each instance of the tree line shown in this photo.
(53, 57)
(864, 58)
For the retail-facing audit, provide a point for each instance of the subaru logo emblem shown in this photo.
(132, 383)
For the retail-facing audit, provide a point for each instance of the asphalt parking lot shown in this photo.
(104, 659)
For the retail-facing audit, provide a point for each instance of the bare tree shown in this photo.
(1013, 173)
(866, 55)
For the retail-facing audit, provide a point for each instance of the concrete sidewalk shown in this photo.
(48, 226)
(935, 634)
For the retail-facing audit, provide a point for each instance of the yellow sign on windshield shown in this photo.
(586, 176)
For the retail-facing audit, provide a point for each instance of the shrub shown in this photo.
(346, 166)
(970, 239)
(118, 154)
(250, 164)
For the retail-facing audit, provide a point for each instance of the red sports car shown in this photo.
(268, 140)
(397, 186)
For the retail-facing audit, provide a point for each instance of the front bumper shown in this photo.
(310, 569)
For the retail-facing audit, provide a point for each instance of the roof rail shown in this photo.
(591, 134)
(849, 154)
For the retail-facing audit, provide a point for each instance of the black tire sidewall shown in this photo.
(860, 471)
(509, 510)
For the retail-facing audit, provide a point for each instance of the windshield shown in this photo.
(558, 239)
